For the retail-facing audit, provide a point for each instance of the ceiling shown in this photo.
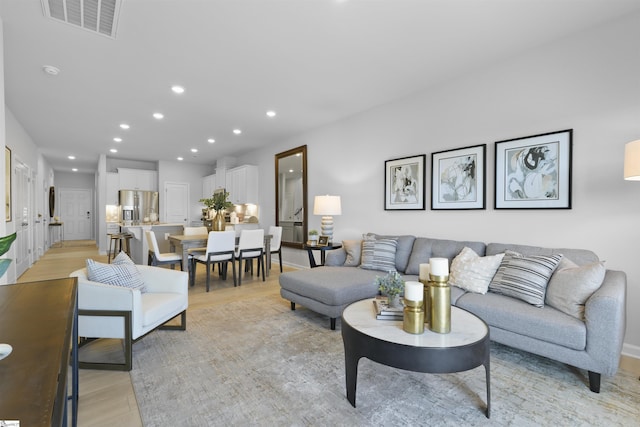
(313, 62)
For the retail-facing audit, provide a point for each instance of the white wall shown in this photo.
(588, 82)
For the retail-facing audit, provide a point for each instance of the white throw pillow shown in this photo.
(472, 272)
(122, 259)
(125, 275)
(571, 286)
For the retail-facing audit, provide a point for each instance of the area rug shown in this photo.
(255, 362)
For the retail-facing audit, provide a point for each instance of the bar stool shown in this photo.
(119, 242)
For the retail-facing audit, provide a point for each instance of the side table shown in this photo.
(53, 228)
(323, 250)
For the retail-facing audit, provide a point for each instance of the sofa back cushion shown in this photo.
(403, 249)
(578, 256)
(425, 248)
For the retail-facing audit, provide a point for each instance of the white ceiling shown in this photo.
(312, 61)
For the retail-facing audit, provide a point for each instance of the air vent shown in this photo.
(98, 16)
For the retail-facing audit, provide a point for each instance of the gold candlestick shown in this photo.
(427, 301)
(413, 317)
(440, 297)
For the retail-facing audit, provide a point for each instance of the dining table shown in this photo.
(180, 243)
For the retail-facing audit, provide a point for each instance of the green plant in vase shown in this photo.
(313, 237)
(219, 203)
(391, 285)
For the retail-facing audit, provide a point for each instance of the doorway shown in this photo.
(176, 202)
(75, 207)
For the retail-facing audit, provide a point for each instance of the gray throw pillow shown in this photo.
(379, 254)
(571, 286)
(125, 275)
(524, 277)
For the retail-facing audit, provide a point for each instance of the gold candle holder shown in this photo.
(413, 317)
(440, 297)
(427, 301)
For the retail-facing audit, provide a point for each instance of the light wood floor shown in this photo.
(106, 397)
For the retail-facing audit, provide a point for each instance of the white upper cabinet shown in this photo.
(242, 184)
(138, 179)
(208, 186)
(113, 185)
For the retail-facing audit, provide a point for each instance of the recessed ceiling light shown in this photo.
(271, 113)
(74, 170)
(177, 89)
(71, 157)
(211, 140)
(237, 131)
(51, 70)
(290, 170)
(180, 159)
(117, 139)
(113, 150)
(194, 150)
(158, 116)
(124, 126)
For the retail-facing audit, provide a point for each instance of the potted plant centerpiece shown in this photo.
(391, 285)
(219, 203)
(313, 237)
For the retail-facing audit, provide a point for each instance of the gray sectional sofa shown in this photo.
(593, 343)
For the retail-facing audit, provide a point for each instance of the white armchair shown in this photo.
(108, 311)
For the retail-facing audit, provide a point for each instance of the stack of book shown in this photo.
(384, 312)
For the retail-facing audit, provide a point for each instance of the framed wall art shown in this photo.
(404, 183)
(534, 172)
(458, 178)
(7, 183)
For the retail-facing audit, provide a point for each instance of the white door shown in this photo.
(75, 213)
(23, 217)
(176, 202)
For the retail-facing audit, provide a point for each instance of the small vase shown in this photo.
(219, 223)
(394, 301)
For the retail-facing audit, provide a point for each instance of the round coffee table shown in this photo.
(384, 341)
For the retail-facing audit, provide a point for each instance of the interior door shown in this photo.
(75, 212)
(22, 215)
(176, 202)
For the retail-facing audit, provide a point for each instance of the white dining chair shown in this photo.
(220, 250)
(158, 258)
(250, 247)
(276, 244)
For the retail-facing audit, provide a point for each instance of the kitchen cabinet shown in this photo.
(113, 185)
(208, 186)
(138, 179)
(242, 184)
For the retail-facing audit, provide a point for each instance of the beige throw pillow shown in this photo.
(571, 286)
(353, 248)
(472, 272)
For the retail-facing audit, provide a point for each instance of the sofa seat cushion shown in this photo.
(331, 285)
(155, 307)
(513, 315)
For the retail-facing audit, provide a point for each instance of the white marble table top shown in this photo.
(466, 328)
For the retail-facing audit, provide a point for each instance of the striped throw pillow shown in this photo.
(379, 254)
(524, 277)
(125, 275)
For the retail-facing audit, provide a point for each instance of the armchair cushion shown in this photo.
(126, 275)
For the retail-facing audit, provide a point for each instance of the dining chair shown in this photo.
(158, 258)
(275, 244)
(220, 250)
(250, 247)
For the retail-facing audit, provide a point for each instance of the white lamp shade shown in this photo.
(632, 161)
(327, 205)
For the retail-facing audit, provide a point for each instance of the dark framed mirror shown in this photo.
(291, 196)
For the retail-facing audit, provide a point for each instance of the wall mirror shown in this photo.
(291, 196)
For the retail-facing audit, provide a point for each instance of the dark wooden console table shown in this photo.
(39, 320)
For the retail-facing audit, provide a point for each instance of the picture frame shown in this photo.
(458, 178)
(323, 241)
(7, 183)
(404, 183)
(534, 172)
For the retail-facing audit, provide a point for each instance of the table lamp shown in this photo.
(327, 206)
(632, 161)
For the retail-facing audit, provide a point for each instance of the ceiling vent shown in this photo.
(98, 16)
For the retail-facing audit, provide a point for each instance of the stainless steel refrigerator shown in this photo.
(137, 206)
